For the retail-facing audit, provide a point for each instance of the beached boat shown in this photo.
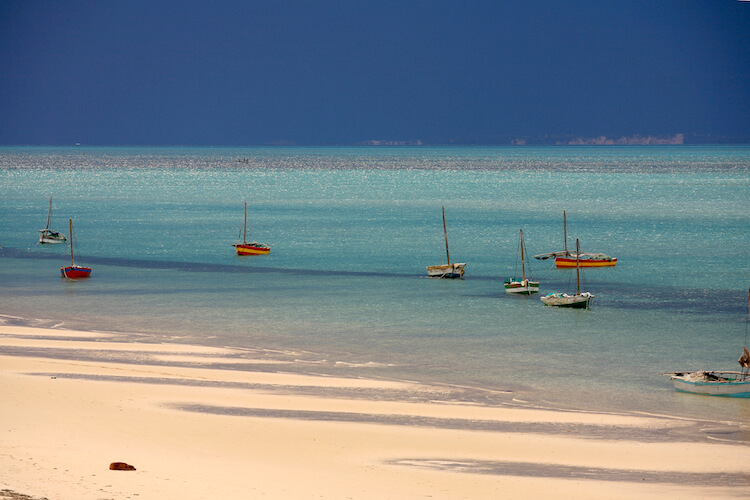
(74, 271)
(525, 286)
(47, 235)
(449, 270)
(718, 383)
(713, 383)
(579, 300)
(252, 248)
(564, 258)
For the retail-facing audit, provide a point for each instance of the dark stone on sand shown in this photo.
(120, 466)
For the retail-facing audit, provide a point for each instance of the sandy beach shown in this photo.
(201, 422)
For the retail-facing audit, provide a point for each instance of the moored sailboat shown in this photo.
(47, 235)
(580, 300)
(252, 248)
(525, 286)
(734, 384)
(565, 258)
(74, 271)
(449, 270)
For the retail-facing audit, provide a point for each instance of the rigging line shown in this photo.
(747, 321)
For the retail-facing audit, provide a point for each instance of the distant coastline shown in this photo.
(677, 139)
(569, 140)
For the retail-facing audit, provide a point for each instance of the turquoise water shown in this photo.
(352, 230)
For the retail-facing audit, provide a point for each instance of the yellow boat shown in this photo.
(252, 248)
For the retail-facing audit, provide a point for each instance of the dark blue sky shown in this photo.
(340, 72)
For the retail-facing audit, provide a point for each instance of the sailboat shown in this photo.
(449, 270)
(579, 300)
(718, 383)
(252, 248)
(47, 235)
(74, 271)
(564, 258)
(525, 286)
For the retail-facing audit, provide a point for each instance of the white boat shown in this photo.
(713, 383)
(718, 383)
(525, 286)
(47, 235)
(449, 270)
(579, 300)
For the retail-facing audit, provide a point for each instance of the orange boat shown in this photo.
(566, 259)
(585, 260)
(252, 248)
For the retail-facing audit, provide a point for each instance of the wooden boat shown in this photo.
(252, 248)
(718, 383)
(47, 235)
(74, 271)
(564, 258)
(525, 286)
(585, 260)
(449, 270)
(713, 383)
(579, 300)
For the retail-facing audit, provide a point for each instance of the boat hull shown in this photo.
(565, 262)
(49, 236)
(75, 272)
(578, 301)
(697, 383)
(252, 248)
(446, 271)
(524, 287)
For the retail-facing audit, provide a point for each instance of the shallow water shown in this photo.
(352, 230)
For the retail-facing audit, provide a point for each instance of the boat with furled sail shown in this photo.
(580, 300)
(449, 270)
(565, 258)
(525, 286)
(734, 384)
(252, 248)
(47, 235)
(74, 271)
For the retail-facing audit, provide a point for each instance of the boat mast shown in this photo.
(578, 269)
(244, 233)
(523, 266)
(445, 231)
(49, 212)
(565, 232)
(70, 221)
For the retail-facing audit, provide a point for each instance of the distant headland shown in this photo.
(567, 140)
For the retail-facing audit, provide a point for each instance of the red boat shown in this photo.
(74, 271)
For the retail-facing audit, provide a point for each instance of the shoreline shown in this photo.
(76, 401)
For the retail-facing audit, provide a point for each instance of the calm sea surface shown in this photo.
(352, 230)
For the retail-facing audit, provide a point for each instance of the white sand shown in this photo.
(59, 435)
